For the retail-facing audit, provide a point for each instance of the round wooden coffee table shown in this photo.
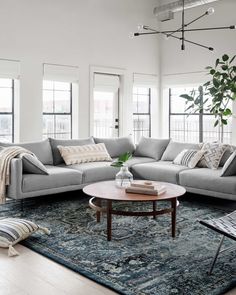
(108, 191)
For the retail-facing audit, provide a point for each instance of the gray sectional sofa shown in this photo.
(152, 159)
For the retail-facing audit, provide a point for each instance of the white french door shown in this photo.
(106, 105)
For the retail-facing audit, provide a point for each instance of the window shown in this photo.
(198, 127)
(57, 109)
(7, 110)
(141, 112)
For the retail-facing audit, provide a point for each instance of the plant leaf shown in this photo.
(225, 57)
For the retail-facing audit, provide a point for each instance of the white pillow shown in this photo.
(214, 151)
(189, 158)
(14, 230)
(84, 153)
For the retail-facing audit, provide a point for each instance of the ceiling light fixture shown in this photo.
(183, 29)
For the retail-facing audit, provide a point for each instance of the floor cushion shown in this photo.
(14, 230)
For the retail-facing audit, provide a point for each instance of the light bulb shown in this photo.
(210, 11)
(131, 35)
(140, 27)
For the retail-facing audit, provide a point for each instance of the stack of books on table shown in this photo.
(146, 188)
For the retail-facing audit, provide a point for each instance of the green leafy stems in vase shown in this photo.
(124, 177)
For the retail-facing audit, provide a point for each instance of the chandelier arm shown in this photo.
(154, 32)
(232, 27)
(194, 43)
(186, 25)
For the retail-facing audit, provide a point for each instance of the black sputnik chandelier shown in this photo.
(179, 33)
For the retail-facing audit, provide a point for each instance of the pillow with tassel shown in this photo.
(14, 230)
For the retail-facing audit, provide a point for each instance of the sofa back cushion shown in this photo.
(41, 149)
(174, 148)
(151, 147)
(57, 158)
(117, 146)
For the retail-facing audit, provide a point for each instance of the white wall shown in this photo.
(73, 32)
(184, 67)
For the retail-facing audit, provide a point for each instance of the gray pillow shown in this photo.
(117, 146)
(57, 158)
(174, 148)
(151, 147)
(230, 149)
(32, 165)
(229, 168)
(41, 149)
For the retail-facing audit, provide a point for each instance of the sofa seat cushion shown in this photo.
(58, 177)
(159, 171)
(209, 180)
(95, 171)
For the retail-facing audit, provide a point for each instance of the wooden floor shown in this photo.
(33, 274)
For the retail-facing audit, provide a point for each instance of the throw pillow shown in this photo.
(14, 230)
(188, 158)
(212, 156)
(174, 148)
(151, 147)
(229, 168)
(84, 154)
(57, 159)
(32, 165)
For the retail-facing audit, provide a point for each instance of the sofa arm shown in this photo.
(14, 190)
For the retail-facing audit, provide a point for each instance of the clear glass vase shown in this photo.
(124, 177)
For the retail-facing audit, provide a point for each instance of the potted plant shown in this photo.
(215, 95)
(124, 177)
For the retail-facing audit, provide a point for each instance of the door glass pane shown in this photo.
(105, 113)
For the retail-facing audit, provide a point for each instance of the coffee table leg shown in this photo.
(98, 213)
(109, 218)
(154, 209)
(173, 215)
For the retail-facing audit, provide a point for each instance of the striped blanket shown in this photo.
(6, 155)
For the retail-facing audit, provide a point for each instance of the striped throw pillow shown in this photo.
(14, 230)
(189, 158)
(84, 153)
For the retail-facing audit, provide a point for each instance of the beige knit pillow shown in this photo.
(84, 153)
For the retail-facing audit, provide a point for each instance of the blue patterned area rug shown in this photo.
(142, 258)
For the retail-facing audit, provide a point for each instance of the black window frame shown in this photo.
(54, 114)
(12, 113)
(143, 114)
(201, 115)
